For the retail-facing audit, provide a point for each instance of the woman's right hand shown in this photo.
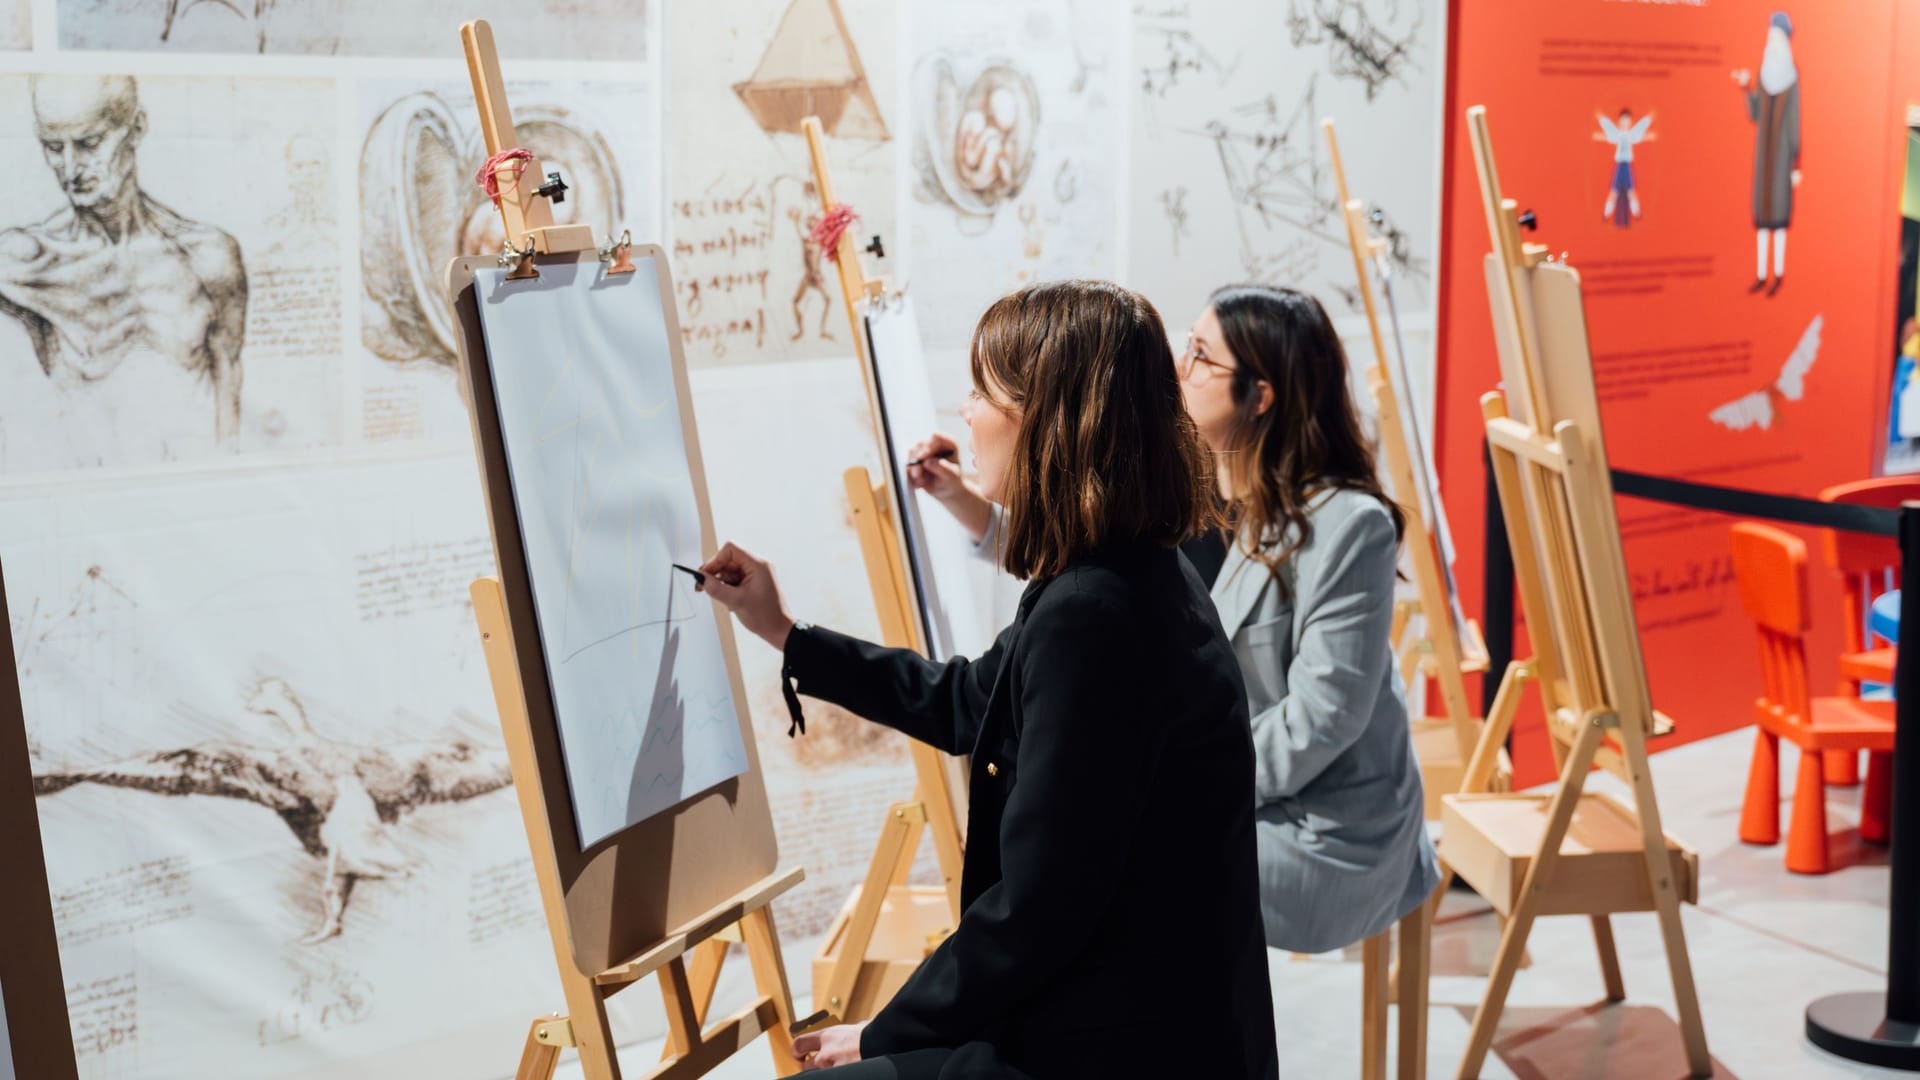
(744, 585)
(938, 473)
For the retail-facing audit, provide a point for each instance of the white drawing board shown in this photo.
(583, 371)
(1426, 473)
(937, 546)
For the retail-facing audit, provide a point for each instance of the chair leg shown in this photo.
(1842, 767)
(1760, 813)
(1609, 958)
(1807, 827)
(1416, 946)
(1876, 802)
(1373, 1006)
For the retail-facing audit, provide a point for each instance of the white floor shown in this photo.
(1764, 943)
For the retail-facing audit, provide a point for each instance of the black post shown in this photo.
(1496, 609)
(1884, 1029)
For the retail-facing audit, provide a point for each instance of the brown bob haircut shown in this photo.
(1105, 452)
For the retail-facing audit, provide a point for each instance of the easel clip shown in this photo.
(519, 261)
(618, 255)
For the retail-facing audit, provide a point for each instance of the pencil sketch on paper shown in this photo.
(255, 20)
(805, 217)
(16, 24)
(1761, 407)
(1170, 55)
(340, 800)
(604, 489)
(1286, 205)
(420, 209)
(811, 68)
(584, 29)
(1173, 202)
(1373, 49)
(974, 147)
(128, 304)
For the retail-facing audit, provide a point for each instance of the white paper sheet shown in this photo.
(936, 544)
(583, 372)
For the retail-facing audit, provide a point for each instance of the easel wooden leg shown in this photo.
(703, 975)
(1416, 942)
(1520, 923)
(1609, 958)
(538, 1060)
(899, 839)
(1373, 1006)
(770, 978)
(1666, 901)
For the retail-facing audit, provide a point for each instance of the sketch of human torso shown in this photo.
(93, 306)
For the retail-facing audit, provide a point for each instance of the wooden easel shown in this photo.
(39, 1034)
(887, 926)
(1571, 852)
(664, 896)
(1444, 650)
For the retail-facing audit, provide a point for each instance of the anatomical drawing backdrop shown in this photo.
(211, 326)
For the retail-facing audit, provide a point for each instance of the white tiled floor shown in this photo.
(1764, 943)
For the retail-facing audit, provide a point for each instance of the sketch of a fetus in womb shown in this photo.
(976, 147)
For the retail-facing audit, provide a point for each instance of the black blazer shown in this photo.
(1111, 894)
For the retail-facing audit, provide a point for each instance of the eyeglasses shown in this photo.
(1194, 366)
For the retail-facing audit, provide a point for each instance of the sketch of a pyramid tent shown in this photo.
(811, 68)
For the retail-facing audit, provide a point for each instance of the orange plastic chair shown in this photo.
(1863, 563)
(1771, 567)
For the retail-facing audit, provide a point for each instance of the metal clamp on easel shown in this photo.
(526, 212)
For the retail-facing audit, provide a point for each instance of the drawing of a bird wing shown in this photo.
(228, 770)
(1792, 383)
(1752, 410)
(1639, 129)
(1610, 128)
(411, 775)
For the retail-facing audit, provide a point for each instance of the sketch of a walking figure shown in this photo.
(812, 278)
(339, 799)
(124, 300)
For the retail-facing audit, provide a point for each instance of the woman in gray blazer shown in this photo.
(1304, 587)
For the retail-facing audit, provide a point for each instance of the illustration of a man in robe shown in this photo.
(1773, 105)
(1624, 133)
(129, 306)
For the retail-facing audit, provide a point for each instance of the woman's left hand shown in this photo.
(823, 1049)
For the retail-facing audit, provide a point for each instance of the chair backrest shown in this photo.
(1863, 561)
(1771, 568)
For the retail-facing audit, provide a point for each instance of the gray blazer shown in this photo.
(1339, 810)
(1343, 845)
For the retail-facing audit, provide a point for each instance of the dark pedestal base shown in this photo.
(1855, 1026)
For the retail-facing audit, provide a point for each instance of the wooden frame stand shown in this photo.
(667, 895)
(1446, 649)
(687, 959)
(1571, 851)
(887, 926)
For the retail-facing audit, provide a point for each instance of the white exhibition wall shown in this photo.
(238, 507)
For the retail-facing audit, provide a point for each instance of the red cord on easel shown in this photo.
(489, 175)
(831, 227)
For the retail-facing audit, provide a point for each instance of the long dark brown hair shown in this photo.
(1105, 451)
(1311, 440)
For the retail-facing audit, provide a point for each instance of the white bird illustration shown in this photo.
(339, 799)
(1757, 409)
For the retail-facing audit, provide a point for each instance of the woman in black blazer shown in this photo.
(1112, 919)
